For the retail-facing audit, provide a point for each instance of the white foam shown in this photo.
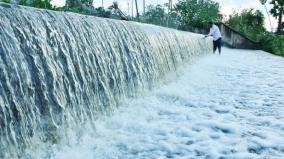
(228, 105)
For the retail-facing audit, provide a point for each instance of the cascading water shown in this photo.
(59, 69)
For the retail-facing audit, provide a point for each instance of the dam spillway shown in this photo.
(60, 69)
(223, 106)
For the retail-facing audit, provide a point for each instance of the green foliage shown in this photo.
(101, 12)
(173, 20)
(85, 7)
(37, 3)
(155, 15)
(273, 43)
(159, 15)
(78, 3)
(87, 2)
(278, 11)
(23, 2)
(197, 13)
(79, 6)
(278, 45)
(267, 41)
(6, 1)
(262, 1)
(73, 6)
(251, 24)
(41, 4)
(248, 22)
(187, 14)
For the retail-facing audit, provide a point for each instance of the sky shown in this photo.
(227, 6)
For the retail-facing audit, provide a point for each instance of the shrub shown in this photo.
(278, 45)
(273, 43)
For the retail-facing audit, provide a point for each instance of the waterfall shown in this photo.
(59, 68)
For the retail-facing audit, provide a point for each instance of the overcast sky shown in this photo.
(227, 6)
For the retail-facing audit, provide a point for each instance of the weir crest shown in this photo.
(59, 68)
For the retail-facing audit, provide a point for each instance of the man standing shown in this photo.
(217, 37)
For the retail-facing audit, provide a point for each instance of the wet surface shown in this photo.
(224, 106)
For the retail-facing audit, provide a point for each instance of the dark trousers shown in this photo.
(217, 44)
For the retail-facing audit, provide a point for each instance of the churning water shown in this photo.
(221, 107)
(59, 70)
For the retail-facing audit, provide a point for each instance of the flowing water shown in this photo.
(228, 106)
(60, 70)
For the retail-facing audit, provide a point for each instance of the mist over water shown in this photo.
(59, 70)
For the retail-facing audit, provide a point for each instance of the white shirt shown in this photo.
(215, 32)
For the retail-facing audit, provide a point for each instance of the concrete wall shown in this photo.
(232, 38)
(235, 39)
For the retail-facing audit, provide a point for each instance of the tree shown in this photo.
(248, 22)
(78, 4)
(37, 3)
(155, 15)
(278, 12)
(197, 13)
(160, 15)
(41, 4)
(101, 12)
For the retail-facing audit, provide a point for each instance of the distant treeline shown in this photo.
(78, 6)
(188, 15)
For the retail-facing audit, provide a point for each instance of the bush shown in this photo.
(249, 22)
(197, 13)
(273, 43)
(278, 45)
(266, 42)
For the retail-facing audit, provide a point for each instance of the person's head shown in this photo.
(210, 24)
